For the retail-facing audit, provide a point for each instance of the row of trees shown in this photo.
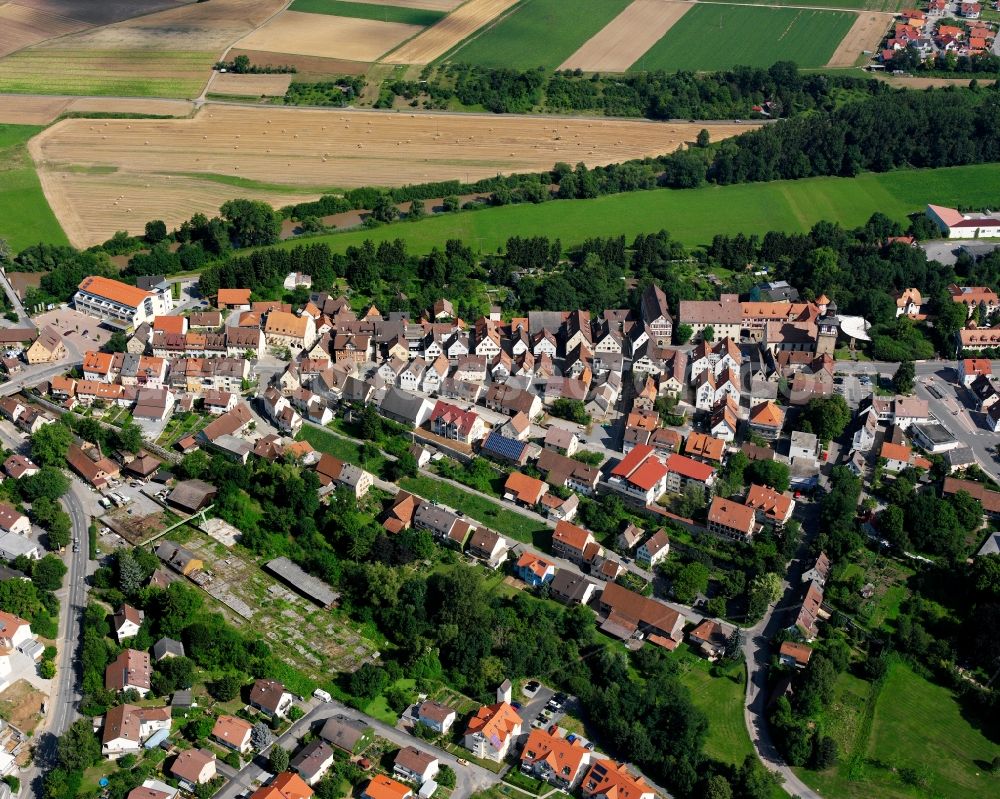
(655, 95)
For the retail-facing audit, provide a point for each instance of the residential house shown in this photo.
(568, 473)
(505, 450)
(167, 648)
(413, 765)
(193, 767)
(561, 440)
(126, 727)
(347, 734)
(444, 524)
(608, 779)
(640, 475)
(333, 473)
(655, 315)
(18, 466)
(628, 615)
(554, 759)
(491, 731)
(131, 670)
(155, 404)
(523, 490)
(13, 521)
(439, 717)
(772, 508)
(450, 421)
(724, 316)
(313, 761)
(574, 543)
(969, 369)
(820, 570)
(489, 547)
(653, 549)
(47, 348)
(729, 518)
(270, 696)
(766, 420)
(383, 787)
(908, 302)
(704, 448)
(569, 587)
(126, 622)
(406, 408)
(233, 299)
(534, 569)
(682, 472)
(709, 638)
(287, 330)
(794, 654)
(810, 612)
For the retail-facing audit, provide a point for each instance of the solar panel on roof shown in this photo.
(503, 446)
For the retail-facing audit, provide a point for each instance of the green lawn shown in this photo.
(341, 8)
(918, 725)
(693, 216)
(339, 447)
(25, 216)
(539, 33)
(722, 700)
(379, 709)
(710, 37)
(504, 521)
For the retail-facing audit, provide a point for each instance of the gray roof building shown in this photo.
(311, 587)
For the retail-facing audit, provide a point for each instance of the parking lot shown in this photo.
(82, 331)
(139, 516)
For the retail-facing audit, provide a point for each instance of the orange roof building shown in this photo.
(383, 787)
(704, 447)
(553, 758)
(772, 506)
(534, 569)
(233, 298)
(170, 324)
(490, 732)
(117, 302)
(730, 518)
(291, 786)
(614, 780)
(767, 418)
(524, 490)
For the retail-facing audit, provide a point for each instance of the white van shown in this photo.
(319, 693)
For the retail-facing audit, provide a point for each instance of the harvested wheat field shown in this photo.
(94, 171)
(15, 110)
(865, 34)
(165, 54)
(101, 12)
(250, 85)
(428, 5)
(327, 36)
(620, 43)
(22, 27)
(438, 39)
(127, 105)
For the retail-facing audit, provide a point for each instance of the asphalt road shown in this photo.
(62, 702)
(470, 778)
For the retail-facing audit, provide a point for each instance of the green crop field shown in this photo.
(713, 36)
(861, 5)
(342, 8)
(25, 216)
(918, 727)
(693, 216)
(539, 33)
(115, 73)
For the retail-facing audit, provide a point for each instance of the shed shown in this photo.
(311, 587)
(191, 495)
(156, 739)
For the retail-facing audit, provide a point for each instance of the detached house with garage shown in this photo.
(233, 733)
(574, 543)
(554, 759)
(270, 696)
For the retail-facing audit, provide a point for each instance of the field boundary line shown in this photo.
(200, 99)
(488, 27)
(858, 11)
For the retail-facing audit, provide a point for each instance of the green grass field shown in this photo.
(504, 521)
(25, 216)
(721, 699)
(154, 73)
(539, 33)
(693, 216)
(917, 725)
(342, 8)
(721, 36)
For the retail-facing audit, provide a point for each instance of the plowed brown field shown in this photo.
(106, 175)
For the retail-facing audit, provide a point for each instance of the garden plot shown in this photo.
(328, 37)
(318, 641)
